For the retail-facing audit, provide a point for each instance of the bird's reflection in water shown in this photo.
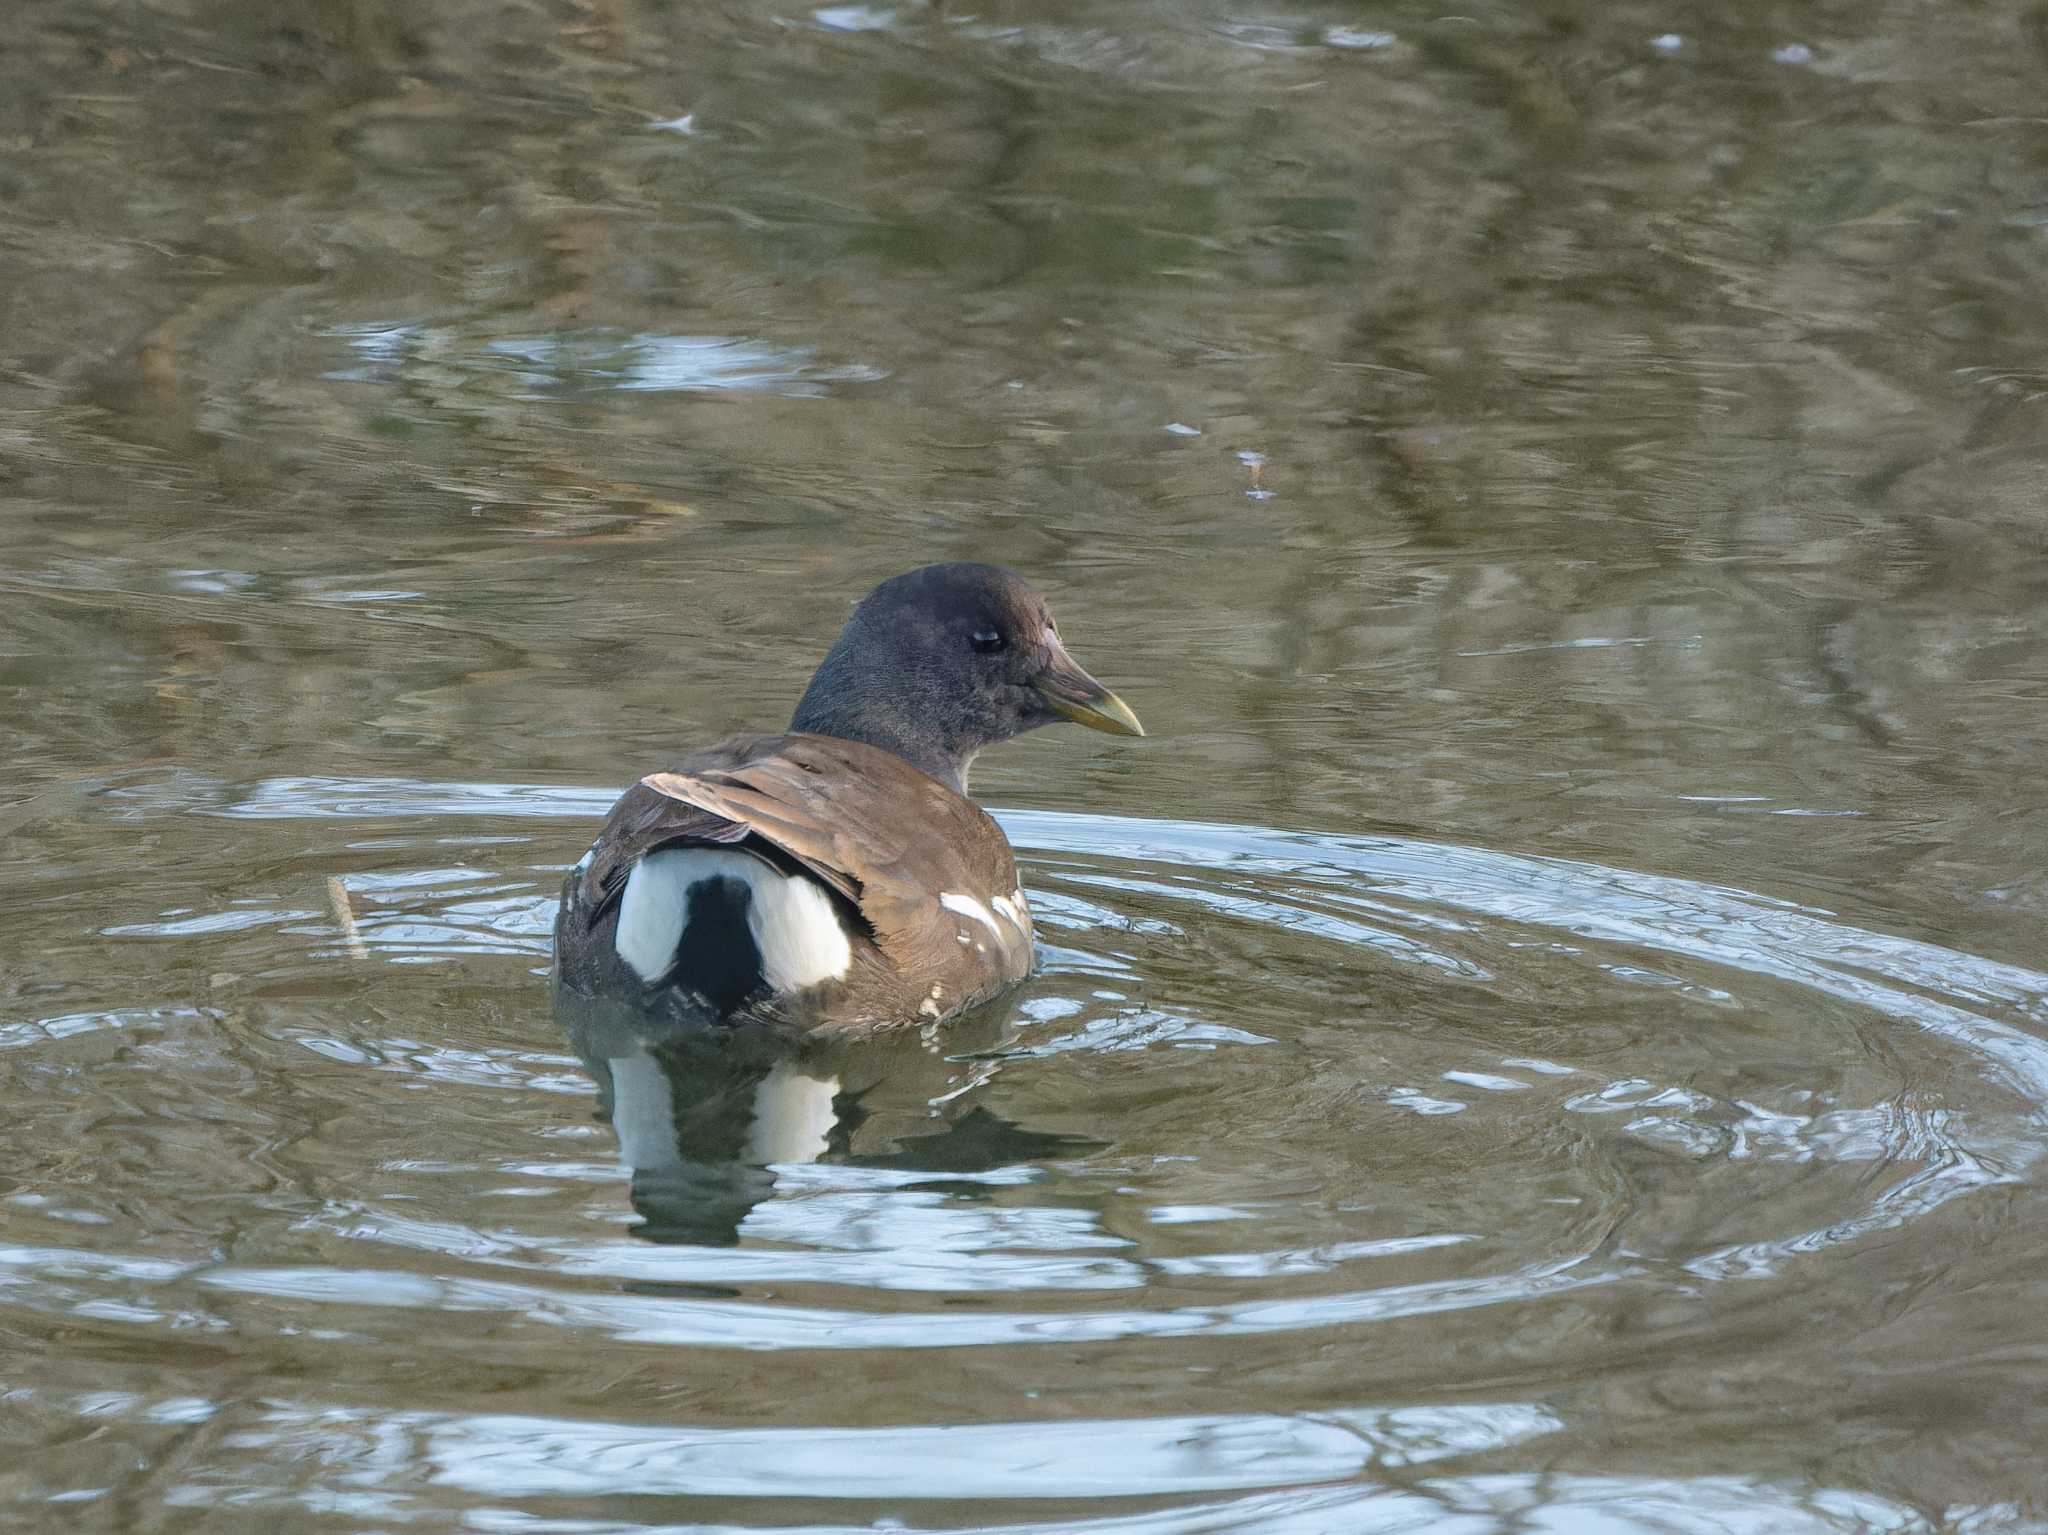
(703, 1120)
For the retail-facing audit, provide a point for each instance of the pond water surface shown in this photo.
(1551, 1033)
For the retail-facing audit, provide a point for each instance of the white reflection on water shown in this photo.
(283, 799)
(1472, 1505)
(731, 1324)
(515, 1456)
(43, 1031)
(1136, 1028)
(598, 359)
(963, 1260)
(1297, 918)
(722, 1323)
(207, 922)
(922, 1252)
(854, 18)
(391, 1465)
(525, 1071)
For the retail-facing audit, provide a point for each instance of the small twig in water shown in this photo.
(345, 917)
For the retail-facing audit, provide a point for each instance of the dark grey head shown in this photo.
(940, 662)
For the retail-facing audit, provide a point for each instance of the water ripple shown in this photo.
(1413, 1140)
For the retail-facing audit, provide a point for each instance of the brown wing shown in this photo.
(886, 837)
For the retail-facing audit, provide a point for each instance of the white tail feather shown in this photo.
(792, 918)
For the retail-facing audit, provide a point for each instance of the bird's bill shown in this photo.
(1076, 696)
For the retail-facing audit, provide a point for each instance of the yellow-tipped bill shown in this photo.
(1076, 696)
(1106, 712)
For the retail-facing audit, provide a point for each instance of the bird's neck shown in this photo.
(932, 760)
(829, 709)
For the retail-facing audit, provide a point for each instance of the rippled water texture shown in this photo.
(1550, 1034)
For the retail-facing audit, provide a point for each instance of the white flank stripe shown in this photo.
(791, 918)
(1009, 911)
(968, 906)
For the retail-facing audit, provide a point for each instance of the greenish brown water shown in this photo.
(1551, 1034)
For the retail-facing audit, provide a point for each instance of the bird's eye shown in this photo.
(990, 641)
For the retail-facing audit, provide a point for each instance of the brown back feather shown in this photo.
(882, 835)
